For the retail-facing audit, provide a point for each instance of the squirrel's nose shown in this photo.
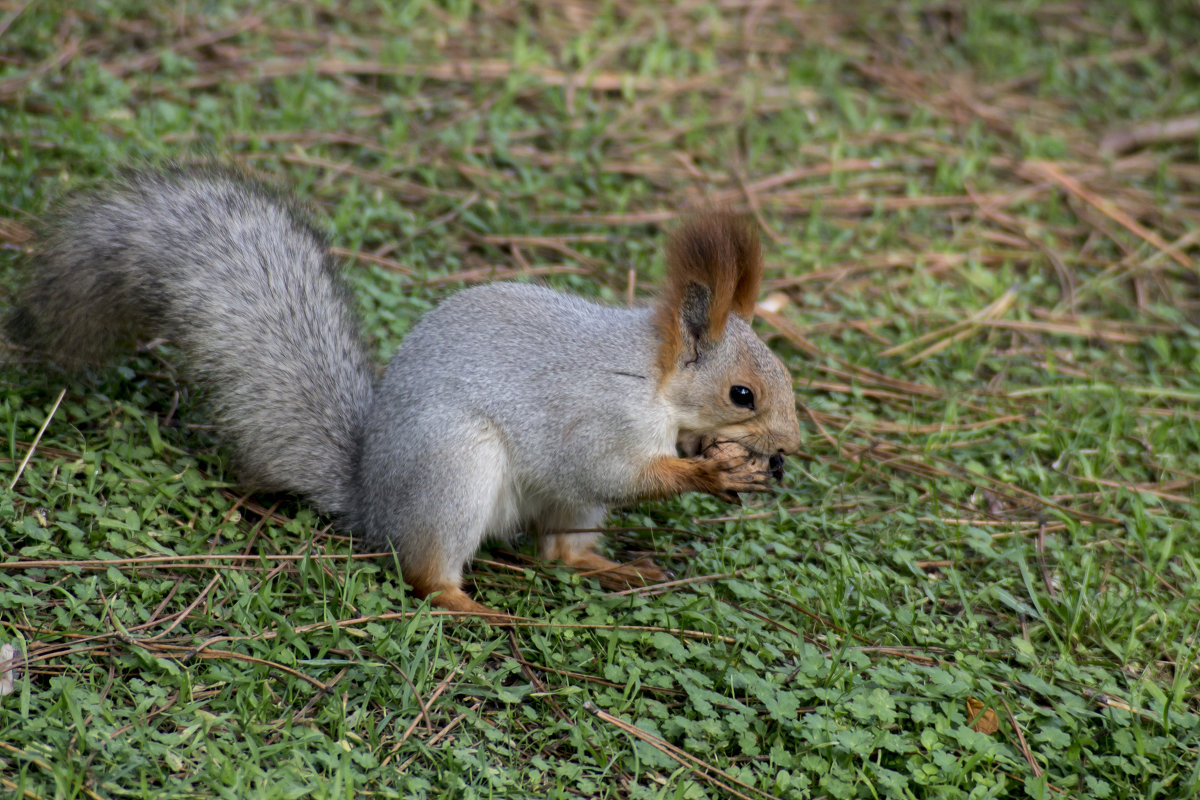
(789, 445)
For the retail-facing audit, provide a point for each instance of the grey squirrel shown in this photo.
(508, 407)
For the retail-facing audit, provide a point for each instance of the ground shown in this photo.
(978, 579)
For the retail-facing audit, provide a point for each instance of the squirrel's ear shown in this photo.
(714, 268)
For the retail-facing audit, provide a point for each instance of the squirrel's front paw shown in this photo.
(729, 468)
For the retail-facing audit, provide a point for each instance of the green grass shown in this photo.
(997, 366)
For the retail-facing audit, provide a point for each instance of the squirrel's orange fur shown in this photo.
(715, 259)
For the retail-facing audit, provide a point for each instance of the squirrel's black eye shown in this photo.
(741, 396)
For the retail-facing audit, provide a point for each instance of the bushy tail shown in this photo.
(233, 273)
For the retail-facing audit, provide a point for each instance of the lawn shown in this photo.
(979, 580)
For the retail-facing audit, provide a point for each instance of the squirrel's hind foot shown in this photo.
(451, 597)
(578, 551)
(460, 602)
(615, 575)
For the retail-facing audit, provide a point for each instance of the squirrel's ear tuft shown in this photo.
(714, 268)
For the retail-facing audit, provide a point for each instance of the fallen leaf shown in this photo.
(982, 719)
(8, 682)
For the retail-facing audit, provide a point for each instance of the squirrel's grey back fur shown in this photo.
(554, 432)
(235, 275)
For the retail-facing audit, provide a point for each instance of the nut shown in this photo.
(733, 450)
(772, 465)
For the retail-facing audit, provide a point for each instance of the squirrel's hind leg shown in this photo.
(577, 550)
(431, 574)
(444, 510)
(448, 594)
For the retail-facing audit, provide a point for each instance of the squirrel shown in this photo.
(509, 407)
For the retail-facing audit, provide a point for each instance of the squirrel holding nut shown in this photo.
(509, 407)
